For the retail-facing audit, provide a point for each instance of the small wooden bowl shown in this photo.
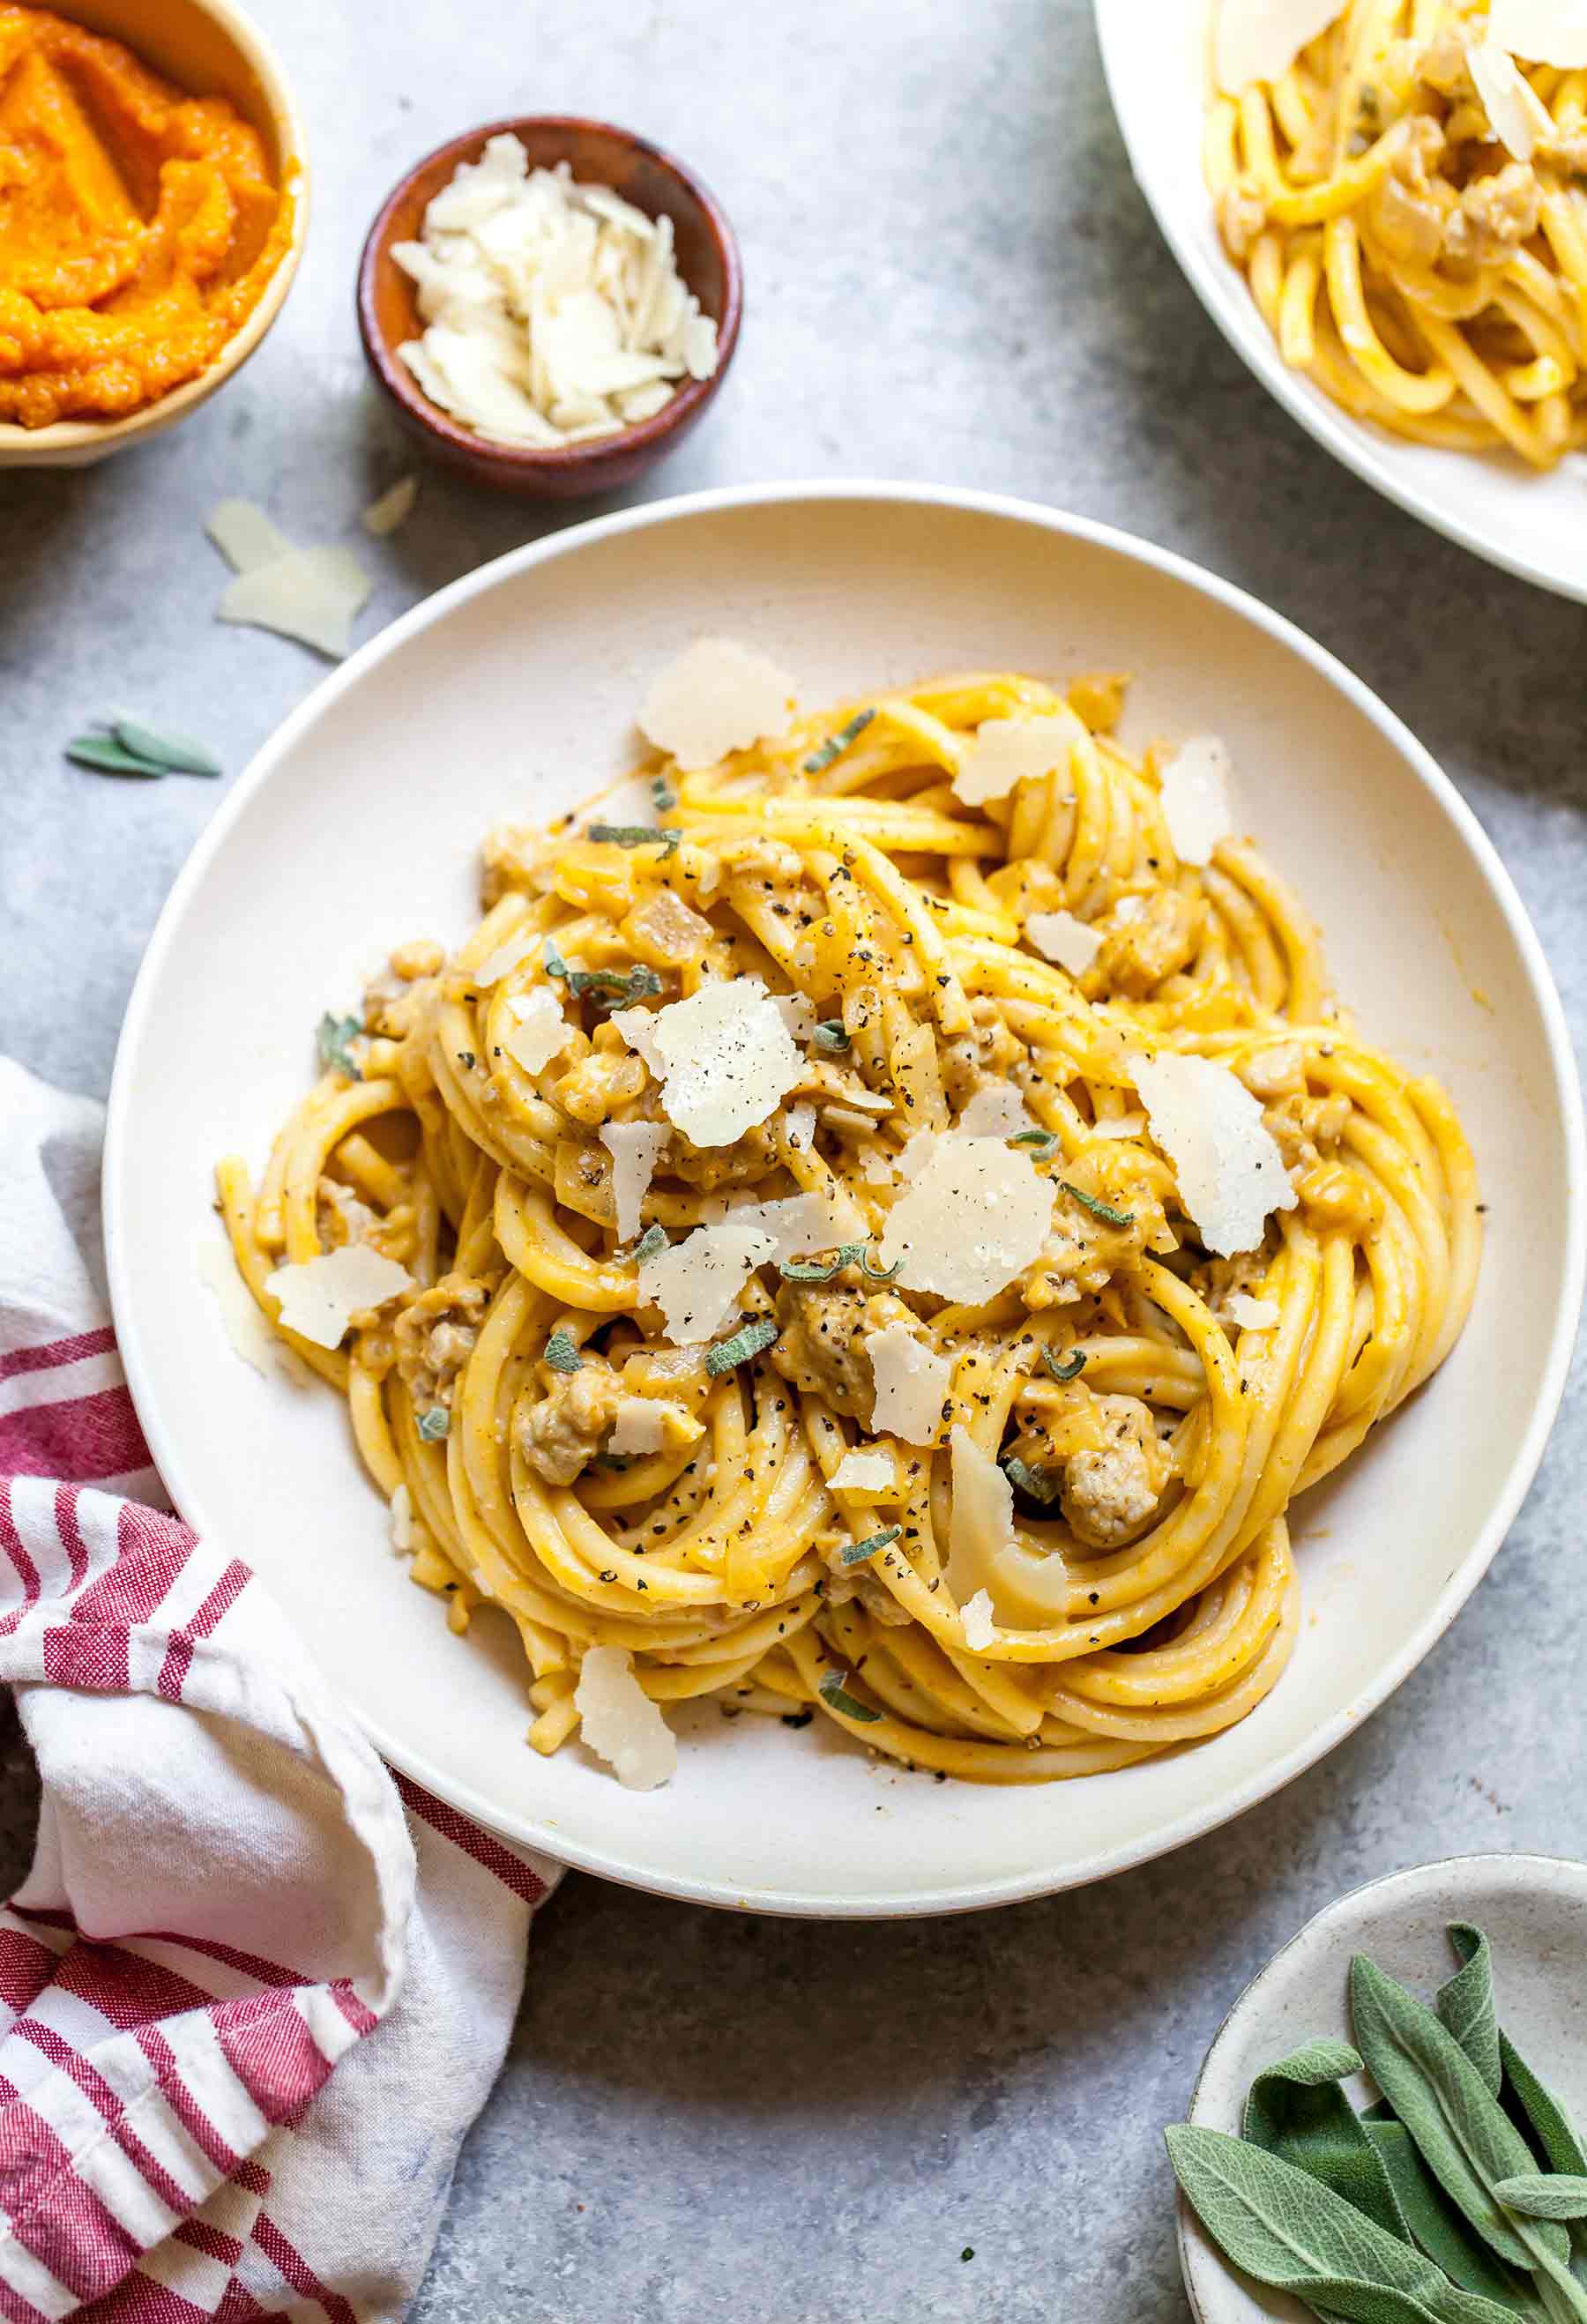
(208, 48)
(598, 154)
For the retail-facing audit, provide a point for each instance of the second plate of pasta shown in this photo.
(857, 1251)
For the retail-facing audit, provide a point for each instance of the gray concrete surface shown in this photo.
(950, 276)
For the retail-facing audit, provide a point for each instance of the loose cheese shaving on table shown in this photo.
(554, 312)
(841, 1314)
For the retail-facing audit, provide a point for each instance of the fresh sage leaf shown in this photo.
(1562, 2195)
(1465, 2005)
(830, 1687)
(434, 1424)
(1105, 1212)
(858, 1552)
(830, 1035)
(107, 757)
(635, 835)
(178, 754)
(332, 1036)
(752, 1340)
(1440, 2231)
(1040, 1483)
(654, 1239)
(561, 1351)
(1289, 2230)
(1531, 2105)
(1296, 2109)
(1464, 2137)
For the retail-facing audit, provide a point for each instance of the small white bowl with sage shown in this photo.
(1391, 2125)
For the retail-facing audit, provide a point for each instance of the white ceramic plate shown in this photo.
(513, 693)
(1534, 1909)
(1155, 56)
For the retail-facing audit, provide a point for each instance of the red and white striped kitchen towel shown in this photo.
(254, 1989)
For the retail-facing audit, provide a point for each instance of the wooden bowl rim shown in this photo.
(257, 54)
(567, 459)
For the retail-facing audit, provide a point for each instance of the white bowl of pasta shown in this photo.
(1152, 1616)
(1520, 502)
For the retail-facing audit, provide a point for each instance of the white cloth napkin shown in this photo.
(254, 1988)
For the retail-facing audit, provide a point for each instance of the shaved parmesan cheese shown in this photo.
(505, 958)
(1251, 1315)
(539, 1032)
(980, 1519)
(638, 1028)
(801, 1223)
(620, 1722)
(245, 536)
(980, 1624)
(1260, 39)
(635, 1148)
(392, 509)
(1060, 937)
(997, 1110)
(402, 1519)
(911, 1383)
(314, 594)
(730, 1060)
(261, 1348)
(799, 1121)
(917, 1152)
(1005, 751)
(975, 1217)
(1196, 805)
(642, 1425)
(716, 698)
(797, 1013)
(319, 1299)
(1230, 1171)
(864, 1470)
(1129, 908)
(696, 1282)
(1121, 1125)
(1516, 112)
(1543, 31)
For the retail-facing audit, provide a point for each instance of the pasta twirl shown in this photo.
(616, 1399)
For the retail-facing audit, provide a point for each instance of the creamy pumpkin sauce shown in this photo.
(138, 226)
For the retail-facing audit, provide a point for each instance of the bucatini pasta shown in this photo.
(885, 1234)
(1408, 199)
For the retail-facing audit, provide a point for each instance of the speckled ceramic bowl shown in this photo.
(1534, 1910)
(211, 49)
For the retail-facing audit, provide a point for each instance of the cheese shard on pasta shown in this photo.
(1251, 1315)
(638, 1028)
(635, 1148)
(997, 1110)
(696, 1282)
(402, 1520)
(797, 1013)
(979, 1622)
(320, 1296)
(974, 1218)
(1517, 113)
(799, 1121)
(800, 1225)
(980, 1519)
(263, 1351)
(1260, 39)
(1060, 937)
(1226, 1159)
(730, 1060)
(1006, 751)
(539, 1030)
(911, 1383)
(1196, 804)
(1543, 31)
(620, 1722)
(510, 954)
(640, 1426)
(866, 1469)
(718, 697)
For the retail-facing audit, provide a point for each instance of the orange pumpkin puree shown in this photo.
(138, 226)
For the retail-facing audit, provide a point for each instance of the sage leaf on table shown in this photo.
(1561, 2195)
(1465, 2138)
(1440, 2230)
(1289, 2230)
(1529, 2104)
(178, 755)
(1296, 2110)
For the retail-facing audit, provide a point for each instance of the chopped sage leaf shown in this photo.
(178, 754)
(662, 795)
(654, 1239)
(637, 983)
(555, 963)
(830, 1035)
(332, 1039)
(634, 834)
(858, 1552)
(877, 1274)
(1066, 1368)
(830, 1687)
(1041, 1142)
(823, 756)
(728, 1355)
(562, 1352)
(109, 758)
(435, 1423)
(822, 1270)
(1103, 1211)
(1040, 1483)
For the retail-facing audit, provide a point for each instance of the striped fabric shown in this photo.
(254, 1989)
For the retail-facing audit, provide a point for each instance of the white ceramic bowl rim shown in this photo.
(1129, 49)
(1272, 1775)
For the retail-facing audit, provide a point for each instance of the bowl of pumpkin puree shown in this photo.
(154, 200)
